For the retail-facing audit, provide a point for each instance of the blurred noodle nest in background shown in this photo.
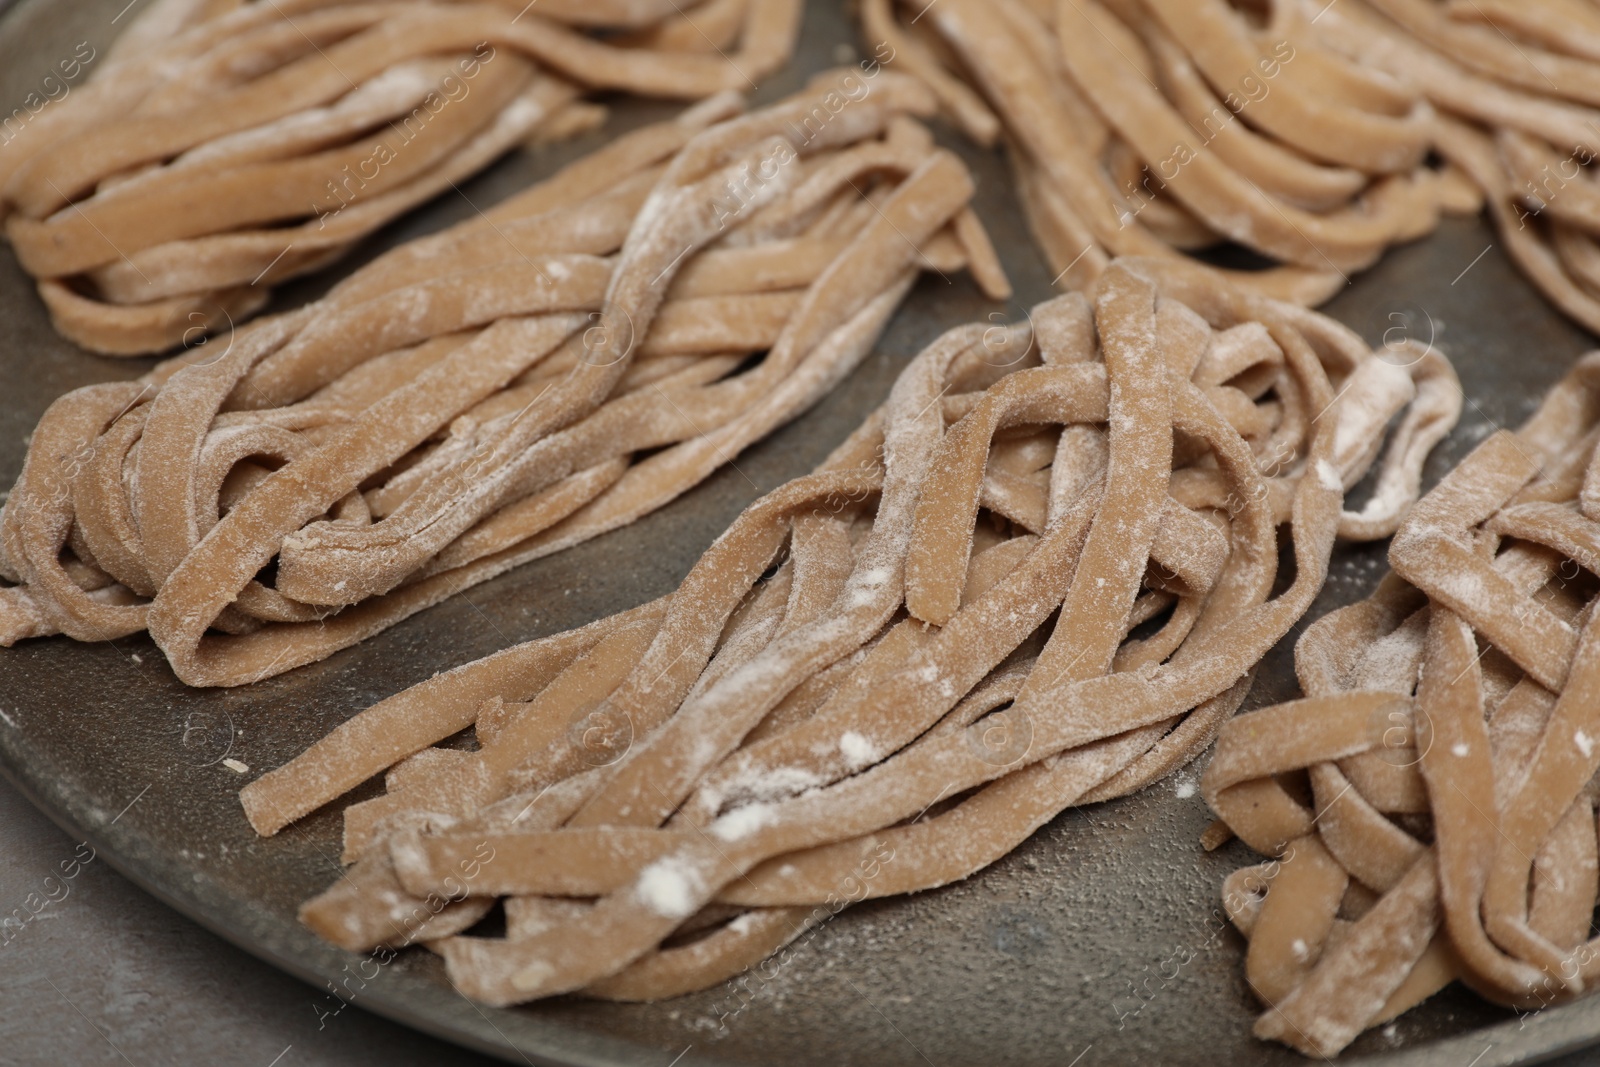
(222, 146)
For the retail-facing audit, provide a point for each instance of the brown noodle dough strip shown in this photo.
(223, 148)
(1157, 128)
(873, 262)
(891, 708)
(1164, 127)
(1471, 673)
(479, 398)
(1518, 107)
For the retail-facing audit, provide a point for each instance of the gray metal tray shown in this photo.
(1097, 942)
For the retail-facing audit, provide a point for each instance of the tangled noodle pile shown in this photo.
(1041, 575)
(527, 380)
(1165, 127)
(1517, 86)
(222, 146)
(1430, 803)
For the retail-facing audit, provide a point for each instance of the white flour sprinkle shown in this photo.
(1328, 475)
(1460, 748)
(857, 749)
(408, 853)
(533, 975)
(773, 784)
(1584, 742)
(742, 822)
(667, 888)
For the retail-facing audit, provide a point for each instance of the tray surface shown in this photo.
(1100, 938)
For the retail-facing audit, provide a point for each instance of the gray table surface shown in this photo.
(106, 974)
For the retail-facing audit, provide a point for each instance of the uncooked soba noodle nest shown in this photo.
(1299, 129)
(1517, 87)
(1164, 127)
(1042, 574)
(222, 146)
(1430, 804)
(575, 358)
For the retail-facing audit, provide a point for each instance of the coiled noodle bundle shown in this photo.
(1430, 803)
(223, 146)
(1167, 127)
(491, 394)
(1041, 575)
(1517, 88)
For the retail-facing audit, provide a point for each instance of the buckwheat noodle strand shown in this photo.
(490, 394)
(859, 690)
(1446, 739)
(221, 148)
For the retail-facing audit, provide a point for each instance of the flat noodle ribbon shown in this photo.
(1517, 88)
(221, 148)
(1447, 744)
(1168, 127)
(1313, 134)
(491, 394)
(1041, 575)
